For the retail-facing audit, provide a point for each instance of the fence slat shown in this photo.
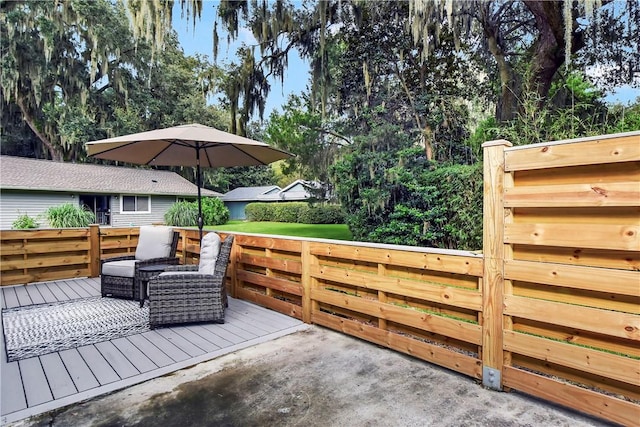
(594, 236)
(282, 285)
(605, 150)
(623, 282)
(584, 400)
(626, 370)
(577, 195)
(441, 293)
(460, 264)
(432, 353)
(606, 322)
(454, 328)
(282, 264)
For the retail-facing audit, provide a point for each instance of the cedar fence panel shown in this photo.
(47, 254)
(570, 267)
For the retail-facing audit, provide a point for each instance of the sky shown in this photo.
(296, 78)
(201, 41)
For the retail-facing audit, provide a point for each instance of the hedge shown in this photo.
(295, 212)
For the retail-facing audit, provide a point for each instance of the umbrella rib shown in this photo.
(249, 155)
(120, 147)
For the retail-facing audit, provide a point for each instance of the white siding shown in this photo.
(14, 204)
(159, 205)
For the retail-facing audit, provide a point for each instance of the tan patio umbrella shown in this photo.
(186, 145)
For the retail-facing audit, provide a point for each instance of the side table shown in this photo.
(144, 275)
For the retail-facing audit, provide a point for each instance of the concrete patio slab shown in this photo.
(313, 378)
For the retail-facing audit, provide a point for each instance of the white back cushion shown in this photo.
(154, 242)
(209, 250)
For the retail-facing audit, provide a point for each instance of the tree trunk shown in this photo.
(26, 115)
(507, 106)
(549, 48)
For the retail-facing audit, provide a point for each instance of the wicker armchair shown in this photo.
(186, 293)
(120, 277)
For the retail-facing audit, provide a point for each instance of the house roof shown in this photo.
(21, 173)
(297, 190)
(243, 194)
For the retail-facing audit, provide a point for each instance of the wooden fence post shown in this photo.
(493, 250)
(305, 258)
(235, 250)
(94, 250)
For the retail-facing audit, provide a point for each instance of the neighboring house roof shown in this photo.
(21, 173)
(297, 190)
(244, 194)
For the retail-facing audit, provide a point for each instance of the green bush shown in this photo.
(24, 222)
(185, 214)
(69, 216)
(214, 212)
(295, 212)
(259, 212)
(321, 214)
(182, 214)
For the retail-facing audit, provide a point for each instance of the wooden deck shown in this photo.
(40, 384)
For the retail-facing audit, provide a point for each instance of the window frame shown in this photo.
(136, 211)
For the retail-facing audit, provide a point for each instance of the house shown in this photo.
(119, 196)
(237, 199)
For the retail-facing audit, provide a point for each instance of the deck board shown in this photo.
(158, 357)
(78, 369)
(45, 292)
(98, 365)
(40, 384)
(166, 346)
(35, 295)
(134, 354)
(36, 386)
(181, 342)
(59, 380)
(13, 398)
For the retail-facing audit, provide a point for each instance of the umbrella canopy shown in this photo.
(182, 145)
(186, 145)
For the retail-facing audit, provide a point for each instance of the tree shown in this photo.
(95, 81)
(542, 35)
(54, 54)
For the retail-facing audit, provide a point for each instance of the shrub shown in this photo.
(258, 212)
(214, 212)
(288, 211)
(182, 214)
(322, 214)
(298, 212)
(24, 222)
(69, 216)
(185, 214)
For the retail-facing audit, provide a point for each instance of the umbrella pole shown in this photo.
(199, 179)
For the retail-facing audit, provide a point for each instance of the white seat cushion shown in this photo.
(124, 268)
(154, 242)
(209, 250)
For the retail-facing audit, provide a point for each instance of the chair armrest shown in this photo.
(156, 261)
(185, 282)
(117, 258)
(190, 267)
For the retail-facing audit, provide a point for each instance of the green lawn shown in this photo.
(324, 231)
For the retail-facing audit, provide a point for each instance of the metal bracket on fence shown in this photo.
(491, 378)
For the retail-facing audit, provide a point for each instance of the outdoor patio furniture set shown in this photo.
(176, 293)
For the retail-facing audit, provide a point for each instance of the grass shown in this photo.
(323, 231)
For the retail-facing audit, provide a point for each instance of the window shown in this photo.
(135, 204)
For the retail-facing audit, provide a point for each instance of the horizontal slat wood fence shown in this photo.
(570, 261)
(551, 307)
